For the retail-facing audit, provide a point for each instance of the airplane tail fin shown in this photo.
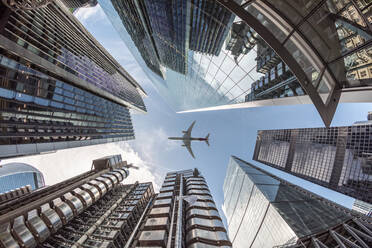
(207, 139)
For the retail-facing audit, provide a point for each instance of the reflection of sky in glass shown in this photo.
(89, 71)
(69, 48)
(265, 212)
(209, 80)
(17, 175)
(12, 182)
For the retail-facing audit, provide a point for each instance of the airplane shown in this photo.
(186, 138)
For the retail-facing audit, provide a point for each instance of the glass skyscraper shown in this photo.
(338, 158)
(209, 55)
(17, 175)
(265, 211)
(59, 88)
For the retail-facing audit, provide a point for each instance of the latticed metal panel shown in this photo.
(353, 233)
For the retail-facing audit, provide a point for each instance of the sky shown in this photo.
(233, 132)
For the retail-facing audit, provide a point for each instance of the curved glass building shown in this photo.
(210, 55)
(17, 175)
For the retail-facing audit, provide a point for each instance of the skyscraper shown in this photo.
(220, 54)
(90, 210)
(17, 175)
(59, 88)
(265, 211)
(183, 214)
(338, 158)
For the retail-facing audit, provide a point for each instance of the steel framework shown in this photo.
(288, 40)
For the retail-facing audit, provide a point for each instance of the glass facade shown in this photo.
(194, 67)
(200, 55)
(264, 211)
(52, 33)
(64, 90)
(17, 175)
(337, 158)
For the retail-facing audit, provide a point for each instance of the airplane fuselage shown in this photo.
(186, 138)
(191, 138)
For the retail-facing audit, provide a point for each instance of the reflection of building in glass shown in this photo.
(338, 158)
(167, 22)
(352, 33)
(17, 175)
(277, 80)
(241, 39)
(208, 20)
(183, 214)
(133, 16)
(363, 207)
(265, 211)
(59, 88)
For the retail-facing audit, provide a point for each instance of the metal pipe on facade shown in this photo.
(100, 220)
(133, 234)
(46, 199)
(178, 241)
(171, 225)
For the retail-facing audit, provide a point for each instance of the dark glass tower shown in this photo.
(183, 214)
(169, 29)
(134, 17)
(208, 20)
(167, 20)
(338, 158)
(265, 211)
(90, 210)
(59, 88)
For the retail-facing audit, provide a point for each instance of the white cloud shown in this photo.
(148, 141)
(90, 14)
(68, 163)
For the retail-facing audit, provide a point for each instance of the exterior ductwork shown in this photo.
(183, 214)
(21, 226)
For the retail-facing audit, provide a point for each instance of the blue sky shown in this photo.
(233, 132)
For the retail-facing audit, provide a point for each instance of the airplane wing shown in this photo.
(188, 132)
(187, 144)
